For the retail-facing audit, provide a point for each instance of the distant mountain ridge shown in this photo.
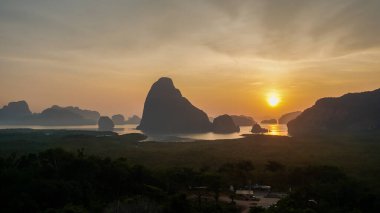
(85, 113)
(242, 120)
(15, 111)
(57, 115)
(269, 121)
(119, 119)
(350, 113)
(284, 119)
(18, 113)
(134, 119)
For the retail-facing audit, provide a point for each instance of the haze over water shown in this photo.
(274, 129)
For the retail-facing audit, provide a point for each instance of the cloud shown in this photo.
(252, 43)
(271, 29)
(294, 30)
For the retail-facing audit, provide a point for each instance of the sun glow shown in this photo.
(273, 99)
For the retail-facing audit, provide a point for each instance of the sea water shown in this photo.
(275, 129)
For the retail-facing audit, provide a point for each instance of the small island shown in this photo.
(257, 129)
(269, 121)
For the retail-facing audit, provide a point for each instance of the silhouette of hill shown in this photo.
(269, 121)
(105, 124)
(118, 119)
(15, 112)
(350, 113)
(242, 120)
(18, 113)
(57, 115)
(257, 129)
(167, 111)
(133, 120)
(284, 119)
(224, 124)
(85, 113)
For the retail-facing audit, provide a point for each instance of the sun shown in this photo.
(273, 99)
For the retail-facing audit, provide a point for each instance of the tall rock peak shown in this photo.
(167, 111)
(164, 87)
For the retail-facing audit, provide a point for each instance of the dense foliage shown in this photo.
(324, 189)
(59, 181)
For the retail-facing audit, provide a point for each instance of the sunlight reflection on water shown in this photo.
(277, 129)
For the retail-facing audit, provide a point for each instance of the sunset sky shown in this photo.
(225, 56)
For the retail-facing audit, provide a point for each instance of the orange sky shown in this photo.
(224, 57)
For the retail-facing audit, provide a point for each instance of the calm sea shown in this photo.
(277, 129)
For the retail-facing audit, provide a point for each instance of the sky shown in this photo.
(225, 56)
